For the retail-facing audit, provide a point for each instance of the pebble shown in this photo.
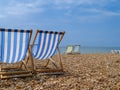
(82, 72)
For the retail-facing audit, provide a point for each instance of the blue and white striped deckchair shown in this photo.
(46, 43)
(69, 49)
(76, 49)
(14, 47)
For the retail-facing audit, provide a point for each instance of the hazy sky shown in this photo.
(86, 22)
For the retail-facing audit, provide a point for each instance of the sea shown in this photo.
(89, 50)
(92, 50)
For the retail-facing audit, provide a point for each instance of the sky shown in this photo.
(86, 22)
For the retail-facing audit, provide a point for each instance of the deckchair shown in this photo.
(44, 47)
(14, 47)
(76, 49)
(69, 49)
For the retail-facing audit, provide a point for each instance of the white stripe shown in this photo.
(56, 41)
(12, 45)
(17, 47)
(51, 44)
(5, 48)
(23, 45)
(46, 44)
(41, 45)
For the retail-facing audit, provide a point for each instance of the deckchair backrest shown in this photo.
(0, 45)
(15, 44)
(46, 43)
(69, 49)
(76, 49)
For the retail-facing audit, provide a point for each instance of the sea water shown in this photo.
(88, 50)
(93, 50)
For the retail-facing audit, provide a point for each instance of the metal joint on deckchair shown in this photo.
(15, 44)
(47, 43)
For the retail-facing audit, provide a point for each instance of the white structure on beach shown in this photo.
(115, 51)
(72, 49)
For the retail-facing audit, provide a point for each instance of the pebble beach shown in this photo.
(81, 72)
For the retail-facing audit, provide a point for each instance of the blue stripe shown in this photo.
(43, 47)
(48, 46)
(3, 39)
(14, 50)
(9, 42)
(38, 44)
(20, 49)
(26, 46)
(55, 47)
(0, 46)
(52, 45)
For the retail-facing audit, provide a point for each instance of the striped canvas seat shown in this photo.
(45, 44)
(14, 45)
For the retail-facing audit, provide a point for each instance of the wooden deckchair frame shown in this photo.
(16, 72)
(59, 69)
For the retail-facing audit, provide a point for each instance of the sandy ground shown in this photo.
(82, 72)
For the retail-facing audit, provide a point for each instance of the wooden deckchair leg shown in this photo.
(24, 65)
(0, 67)
(0, 70)
(59, 58)
(53, 62)
(21, 65)
(24, 62)
(32, 61)
(27, 59)
(47, 63)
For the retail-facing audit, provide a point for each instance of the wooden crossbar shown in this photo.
(14, 72)
(16, 76)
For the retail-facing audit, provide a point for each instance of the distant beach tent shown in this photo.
(69, 49)
(76, 49)
(73, 49)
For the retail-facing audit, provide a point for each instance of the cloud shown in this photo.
(16, 8)
(27, 7)
(91, 15)
(2, 16)
(95, 11)
(73, 3)
(87, 8)
(105, 12)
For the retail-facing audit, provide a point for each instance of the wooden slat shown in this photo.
(13, 73)
(16, 76)
(11, 68)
